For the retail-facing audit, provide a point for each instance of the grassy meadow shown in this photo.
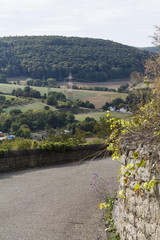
(25, 107)
(98, 115)
(8, 88)
(98, 98)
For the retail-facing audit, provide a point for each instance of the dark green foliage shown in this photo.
(26, 92)
(117, 103)
(15, 111)
(2, 99)
(123, 88)
(43, 57)
(102, 128)
(22, 124)
(51, 100)
(46, 107)
(132, 101)
(24, 131)
(86, 104)
(95, 88)
(106, 106)
(3, 78)
(87, 125)
(2, 151)
(57, 146)
(59, 96)
(50, 82)
(70, 117)
(136, 97)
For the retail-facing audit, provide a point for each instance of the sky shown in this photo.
(129, 22)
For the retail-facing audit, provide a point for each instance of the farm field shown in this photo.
(98, 115)
(98, 98)
(102, 97)
(25, 107)
(8, 88)
(115, 83)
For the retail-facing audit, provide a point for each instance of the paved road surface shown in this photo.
(55, 203)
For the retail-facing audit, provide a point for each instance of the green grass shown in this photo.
(35, 105)
(82, 95)
(8, 88)
(95, 115)
(113, 95)
(98, 115)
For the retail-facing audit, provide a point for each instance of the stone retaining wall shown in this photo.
(137, 216)
(21, 159)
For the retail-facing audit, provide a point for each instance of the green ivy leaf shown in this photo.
(135, 155)
(138, 165)
(127, 173)
(137, 187)
(125, 181)
(141, 164)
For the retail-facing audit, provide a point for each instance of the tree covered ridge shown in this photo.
(53, 56)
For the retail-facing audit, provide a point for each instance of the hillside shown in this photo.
(43, 57)
(151, 49)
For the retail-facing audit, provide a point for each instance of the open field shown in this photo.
(114, 83)
(98, 98)
(8, 88)
(102, 97)
(25, 107)
(98, 115)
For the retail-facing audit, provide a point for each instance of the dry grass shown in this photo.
(101, 97)
(116, 83)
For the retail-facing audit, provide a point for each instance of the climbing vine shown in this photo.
(145, 124)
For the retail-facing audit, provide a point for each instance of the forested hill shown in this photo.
(52, 56)
(151, 49)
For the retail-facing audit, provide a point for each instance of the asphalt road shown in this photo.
(55, 203)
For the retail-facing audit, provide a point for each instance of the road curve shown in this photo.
(54, 203)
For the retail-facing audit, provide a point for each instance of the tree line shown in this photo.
(132, 101)
(22, 124)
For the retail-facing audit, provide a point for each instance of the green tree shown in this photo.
(106, 106)
(14, 128)
(117, 103)
(102, 128)
(51, 82)
(6, 125)
(70, 117)
(3, 78)
(29, 82)
(79, 137)
(24, 131)
(2, 99)
(51, 100)
(15, 111)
